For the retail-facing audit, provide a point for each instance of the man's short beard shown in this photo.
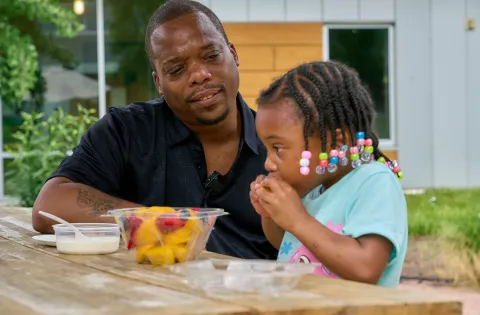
(212, 122)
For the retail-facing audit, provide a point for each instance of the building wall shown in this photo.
(437, 92)
(437, 102)
(302, 10)
(268, 50)
(436, 87)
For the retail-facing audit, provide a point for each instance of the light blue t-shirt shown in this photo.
(368, 200)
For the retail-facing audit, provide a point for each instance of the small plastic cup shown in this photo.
(101, 238)
(166, 235)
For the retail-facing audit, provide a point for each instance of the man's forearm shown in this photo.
(75, 203)
(273, 232)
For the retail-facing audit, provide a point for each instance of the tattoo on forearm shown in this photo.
(99, 203)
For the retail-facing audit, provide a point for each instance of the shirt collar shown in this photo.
(177, 132)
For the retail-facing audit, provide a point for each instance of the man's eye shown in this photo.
(175, 70)
(213, 56)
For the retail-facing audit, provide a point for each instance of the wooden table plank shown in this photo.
(314, 295)
(35, 283)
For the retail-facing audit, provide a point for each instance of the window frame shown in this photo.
(385, 143)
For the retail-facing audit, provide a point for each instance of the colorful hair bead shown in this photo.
(305, 162)
(392, 165)
(320, 170)
(355, 157)
(332, 166)
(323, 157)
(396, 169)
(342, 155)
(366, 155)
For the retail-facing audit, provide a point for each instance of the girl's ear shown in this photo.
(340, 139)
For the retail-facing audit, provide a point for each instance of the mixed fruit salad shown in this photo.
(165, 235)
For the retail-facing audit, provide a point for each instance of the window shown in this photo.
(127, 67)
(369, 50)
(67, 64)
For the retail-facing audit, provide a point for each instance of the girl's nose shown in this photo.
(270, 166)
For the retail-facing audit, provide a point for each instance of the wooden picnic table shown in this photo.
(37, 280)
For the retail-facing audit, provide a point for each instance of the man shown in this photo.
(194, 146)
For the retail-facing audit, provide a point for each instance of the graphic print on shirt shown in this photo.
(303, 255)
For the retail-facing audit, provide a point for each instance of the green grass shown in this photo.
(452, 215)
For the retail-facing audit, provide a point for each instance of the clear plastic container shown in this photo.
(218, 276)
(166, 235)
(102, 238)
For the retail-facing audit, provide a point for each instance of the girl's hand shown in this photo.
(282, 203)
(254, 197)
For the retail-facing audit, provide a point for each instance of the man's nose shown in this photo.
(199, 75)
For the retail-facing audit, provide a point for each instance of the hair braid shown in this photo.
(355, 101)
(331, 96)
(271, 91)
(316, 100)
(300, 100)
(351, 120)
(343, 102)
(318, 75)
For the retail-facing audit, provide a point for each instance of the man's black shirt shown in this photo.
(144, 154)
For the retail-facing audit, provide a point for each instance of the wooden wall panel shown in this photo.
(392, 155)
(287, 57)
(268, 50)
(252, 82)
(274, 33)
(255, 57)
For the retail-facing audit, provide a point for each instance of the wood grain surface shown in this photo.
(36, 279)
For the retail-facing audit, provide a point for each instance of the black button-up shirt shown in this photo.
(143, 153)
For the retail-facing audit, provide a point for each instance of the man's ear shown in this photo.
(156, 80)
(233, 51)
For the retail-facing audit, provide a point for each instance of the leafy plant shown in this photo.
(40, 145)
(23, 36)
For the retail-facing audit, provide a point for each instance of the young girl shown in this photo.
(331, 195)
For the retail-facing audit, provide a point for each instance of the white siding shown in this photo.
(304, 10)
(266, 11)
(377, 10)
(473, 95)
(340, 10)
(204, 2)
(449, 72)
(413, 92)
(230, 10)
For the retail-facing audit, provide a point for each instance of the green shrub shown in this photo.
(40, 145)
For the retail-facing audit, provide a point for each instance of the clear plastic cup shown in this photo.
(166, 235)
(101, 238)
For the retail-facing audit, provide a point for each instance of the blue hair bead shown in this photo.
(334, 160)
